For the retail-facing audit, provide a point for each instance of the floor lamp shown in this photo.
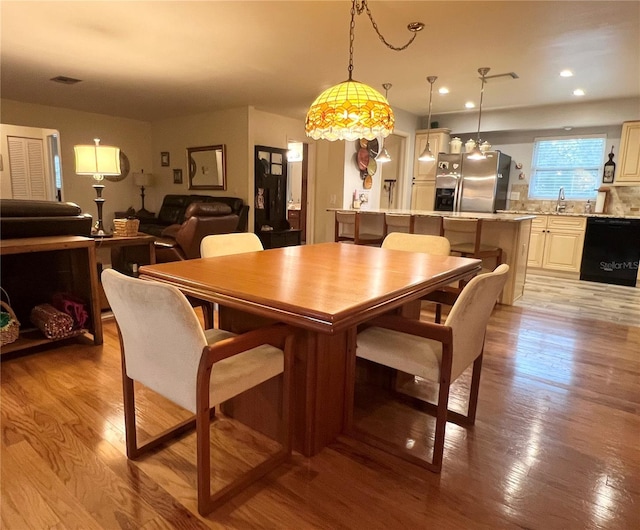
(142, 180)
(97, 161)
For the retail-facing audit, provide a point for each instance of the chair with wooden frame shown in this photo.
(224, 245)
(465, 236)
(438, 353)
(227, 244)
(394, 222)
(347, 228)
(436, 245)
(164, 348)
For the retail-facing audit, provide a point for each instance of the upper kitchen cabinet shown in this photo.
(423, 185)
(628, 170)
(439, 143)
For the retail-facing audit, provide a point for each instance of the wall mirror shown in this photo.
(207, 167)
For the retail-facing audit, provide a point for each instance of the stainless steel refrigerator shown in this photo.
(467, 185)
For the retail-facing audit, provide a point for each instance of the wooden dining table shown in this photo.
(322, 290)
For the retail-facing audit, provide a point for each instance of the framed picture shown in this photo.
(165, 159)
(177, 176)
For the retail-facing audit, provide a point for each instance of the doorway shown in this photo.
(297, 186)
(392, 173)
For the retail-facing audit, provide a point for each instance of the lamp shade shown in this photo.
(348, 111)
(142, 179)
(97, 159)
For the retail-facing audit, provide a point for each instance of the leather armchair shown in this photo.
(182, 241)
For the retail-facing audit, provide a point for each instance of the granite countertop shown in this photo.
(500, 216)
(572, 214)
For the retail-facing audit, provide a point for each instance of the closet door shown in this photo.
(27, 168)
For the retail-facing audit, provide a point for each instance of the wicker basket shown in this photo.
(9, 332)
(126, 227)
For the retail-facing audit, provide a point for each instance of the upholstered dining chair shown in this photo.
(227, 244)
(436, 245)
(438, 353)
(164, 347)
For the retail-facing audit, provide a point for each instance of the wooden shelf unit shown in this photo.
(35, 268)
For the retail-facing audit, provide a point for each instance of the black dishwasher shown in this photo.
(611, 251)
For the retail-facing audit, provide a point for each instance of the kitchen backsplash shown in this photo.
(622, 200)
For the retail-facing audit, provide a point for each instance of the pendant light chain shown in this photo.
(352, 110)
(483, 72)
(364, 6)
(352, 36)
(431, 79)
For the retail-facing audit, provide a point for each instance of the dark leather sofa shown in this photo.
(182, 241)
(174, 208)
(20, 218)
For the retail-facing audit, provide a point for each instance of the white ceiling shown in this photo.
(152, 60)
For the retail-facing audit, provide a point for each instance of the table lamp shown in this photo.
(142, 180)
(97, 160)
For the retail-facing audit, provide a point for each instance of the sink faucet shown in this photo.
(560, 204)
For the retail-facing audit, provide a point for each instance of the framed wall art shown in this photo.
(177, 176)
(165, 159)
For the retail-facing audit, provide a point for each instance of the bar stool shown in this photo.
(347, 228)
(396, 222)
(465, 236)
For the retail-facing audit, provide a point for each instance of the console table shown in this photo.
(127, 254)
(35, 268)
(280, 238)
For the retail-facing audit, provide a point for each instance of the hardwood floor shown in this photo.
(555, 445)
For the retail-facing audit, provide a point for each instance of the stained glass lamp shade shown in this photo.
(348, 111)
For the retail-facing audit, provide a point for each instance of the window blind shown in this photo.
(572, 163)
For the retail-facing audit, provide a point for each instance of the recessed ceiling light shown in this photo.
(567, 128)
(443, 90)
(469, 104)
(566, 73)
(578, 92)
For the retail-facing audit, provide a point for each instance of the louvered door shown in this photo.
(27, 168)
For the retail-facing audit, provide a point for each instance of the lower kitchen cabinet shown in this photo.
(556, 243)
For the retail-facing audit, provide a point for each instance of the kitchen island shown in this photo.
(510, 232)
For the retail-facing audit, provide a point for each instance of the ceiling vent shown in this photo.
(65, 80)
(512, 75)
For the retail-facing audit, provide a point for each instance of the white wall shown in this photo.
(76, 127)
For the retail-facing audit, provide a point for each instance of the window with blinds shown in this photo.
(572, 163)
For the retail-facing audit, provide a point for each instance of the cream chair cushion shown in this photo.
(407, 353)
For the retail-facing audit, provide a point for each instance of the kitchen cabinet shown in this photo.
(293, 216)
(423, 188)
(556, 243)
(439, 142)
(628, 170)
